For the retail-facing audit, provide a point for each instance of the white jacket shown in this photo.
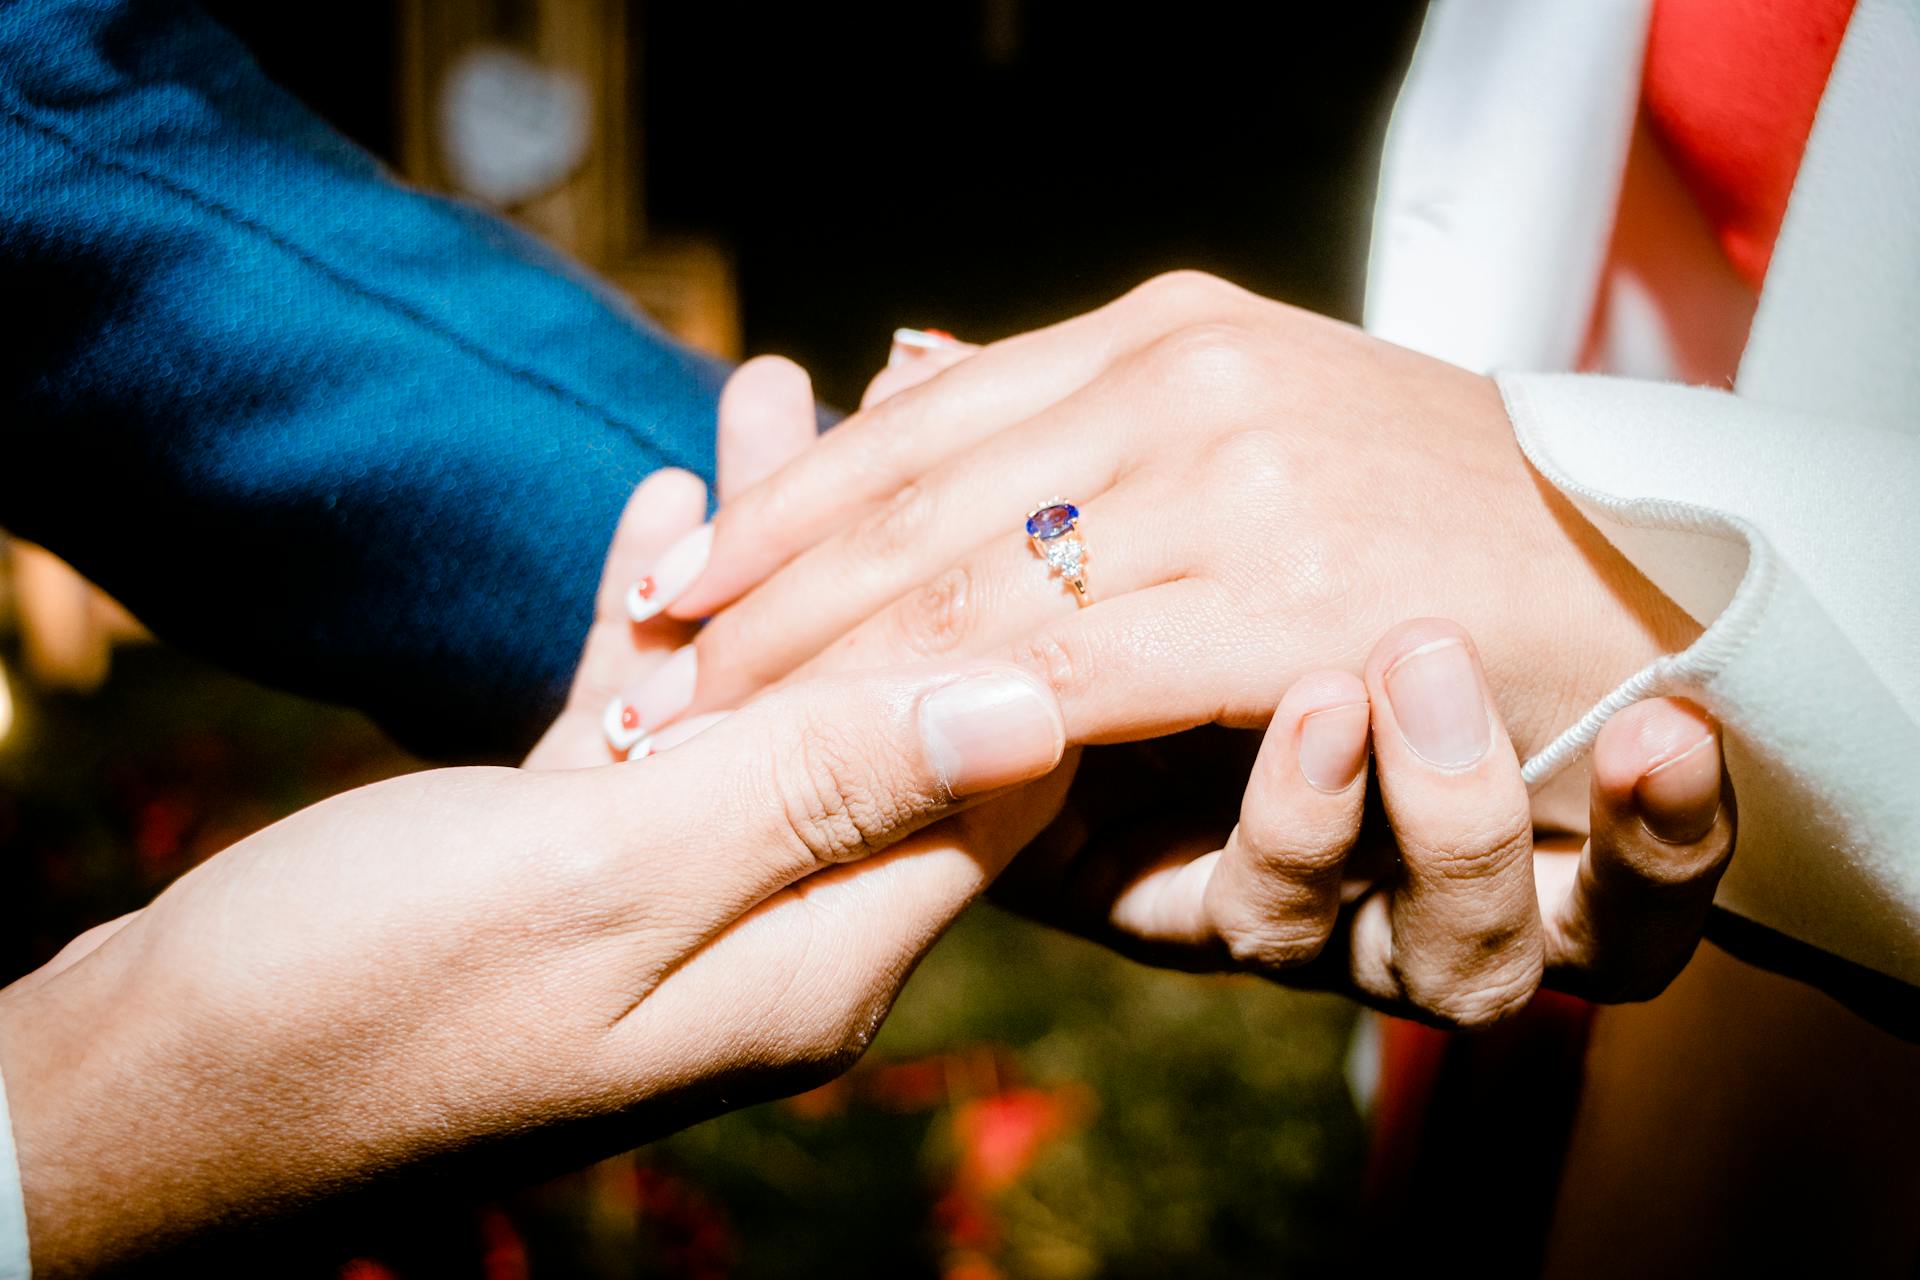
(1783, 514)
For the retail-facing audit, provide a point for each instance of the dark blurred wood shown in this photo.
(597, 212)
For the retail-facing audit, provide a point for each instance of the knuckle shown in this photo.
(898, 527)
(1253, 461)
(1474, 850)
(936, 618)
(834, 804)
(1208, 363)
(1666, 871)
(1269, 944)
(1063, 665)
(836, 1038)
(1481, 1001)
(1180, 293)
(1290, 845)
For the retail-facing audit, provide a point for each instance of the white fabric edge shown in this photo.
(1693, 666)
(15, 1261)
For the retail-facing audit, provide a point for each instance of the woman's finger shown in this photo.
(869, 457)
(664, 507)
(1456, 934)
(766, 420)
(916, 356)
(1624, 924)
(841, 608)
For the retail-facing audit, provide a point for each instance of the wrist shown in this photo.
(1601, 622)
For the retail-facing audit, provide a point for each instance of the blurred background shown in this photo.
(802, 180)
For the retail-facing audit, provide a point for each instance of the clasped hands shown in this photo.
(1264, 495)
(504, 965)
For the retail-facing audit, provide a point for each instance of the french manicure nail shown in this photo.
(1437, 703)
(1333, 746)
(990, 730)
(910, 344)
(678, 567)
(1679, 797)
(621, 723)
(666, 691)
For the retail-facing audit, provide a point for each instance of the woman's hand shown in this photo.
(1441, 909)
(1262, 491)
(483, 961)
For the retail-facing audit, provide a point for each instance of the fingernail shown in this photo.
(676, 570)
(621, 723)
(990, 730)
(1333, 746)
(1436, 700)
(666, 691)
(911, 344)
(1679, 797)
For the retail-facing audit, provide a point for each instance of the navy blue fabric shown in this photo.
(333, 433)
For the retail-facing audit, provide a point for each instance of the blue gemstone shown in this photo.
(1051, 522)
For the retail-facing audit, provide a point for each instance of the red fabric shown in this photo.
(1730, 89)
(1482, 1109)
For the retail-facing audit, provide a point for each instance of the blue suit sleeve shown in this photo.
(330, 432)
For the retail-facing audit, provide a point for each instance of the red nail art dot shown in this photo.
(629, 718)
(940, 333)
(644, 588)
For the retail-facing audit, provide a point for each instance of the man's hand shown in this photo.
(459, 961)
(1441, 908)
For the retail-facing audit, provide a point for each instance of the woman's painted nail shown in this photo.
(678, 568)
(1437, 703)
(990, 730)
(666, 691)
(621, 723)
(911, 344)
(1679, 798)
(1333, 746)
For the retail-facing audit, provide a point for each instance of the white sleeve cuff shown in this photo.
(14, 1261)
(1791, 539)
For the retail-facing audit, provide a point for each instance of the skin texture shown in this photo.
(1403, 895)
(442, 962)
(1264, 493)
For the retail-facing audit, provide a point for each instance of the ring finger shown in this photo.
(974, 604)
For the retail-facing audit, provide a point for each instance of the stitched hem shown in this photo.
(1693, 666)
(339, 276)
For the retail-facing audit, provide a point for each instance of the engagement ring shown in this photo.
(1051, 526)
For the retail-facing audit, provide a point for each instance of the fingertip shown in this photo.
(1645, 737)
(662, 508)
(1322, 691)
(1327, 716)
(991, 727)
(766, 381)
(1430, 699)
(917, 355)
(669, 492)
(1411, 637)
